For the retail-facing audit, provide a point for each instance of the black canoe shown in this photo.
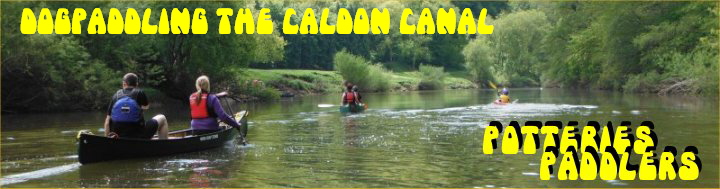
(94, 148)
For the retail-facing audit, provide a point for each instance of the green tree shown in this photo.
(514, 50)
(479, 59)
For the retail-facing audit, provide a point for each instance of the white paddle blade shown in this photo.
(325, 105)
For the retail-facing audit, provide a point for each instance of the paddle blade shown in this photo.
(240, 115)
(325, 105)
(221, 94)
(492, 84)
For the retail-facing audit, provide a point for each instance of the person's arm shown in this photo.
(224, 117)
(106, 126)
(143, 100)
(342, 99)
(357, 98)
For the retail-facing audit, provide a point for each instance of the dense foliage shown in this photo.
(395, 51)
(659, 47)
(663, 47)
(71, 72)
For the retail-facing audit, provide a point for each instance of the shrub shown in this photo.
(267, 94)
(357, 70)
(54, 73)
(690, 73)
(647, 82)
(432, 77)
(378, 78)
(684, 73)
(257, 89)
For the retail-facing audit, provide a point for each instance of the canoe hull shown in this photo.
(352, 108)
(93, 148)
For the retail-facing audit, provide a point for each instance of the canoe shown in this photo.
(94, 148)
(353, 108)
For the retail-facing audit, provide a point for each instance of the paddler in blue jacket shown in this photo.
(125, 113)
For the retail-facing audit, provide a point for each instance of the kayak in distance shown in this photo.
(498, 102)
(354, 108)
(96, 148)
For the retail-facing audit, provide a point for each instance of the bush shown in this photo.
(257, 89)
(645, 83)
(684, 73)
(357, 70)
(690, 73)
(431, 77)
(266, 94)
(54, 72)
(290, 83)
(378, 78)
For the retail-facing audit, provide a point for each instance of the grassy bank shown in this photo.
(304, 82)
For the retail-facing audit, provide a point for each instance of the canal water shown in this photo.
(411, 139)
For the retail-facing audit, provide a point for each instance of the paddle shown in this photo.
(333, 105)
(494, 87)
(223, 95)
(326, 105)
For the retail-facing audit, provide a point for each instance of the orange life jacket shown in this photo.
(349, 97)
(199, 110)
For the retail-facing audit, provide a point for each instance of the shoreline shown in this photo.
(291, 82)
(287, 83)
(160, 99)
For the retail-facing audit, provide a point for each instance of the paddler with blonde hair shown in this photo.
(206, 109)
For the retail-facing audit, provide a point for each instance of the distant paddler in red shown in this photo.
(351, 100)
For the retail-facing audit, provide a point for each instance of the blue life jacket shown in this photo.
(126, 110)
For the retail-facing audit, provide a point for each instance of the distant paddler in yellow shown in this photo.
(503, 96)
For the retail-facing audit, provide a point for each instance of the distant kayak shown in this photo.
(355, 108)
(499, 103)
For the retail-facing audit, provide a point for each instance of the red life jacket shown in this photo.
(199, 110)
(349, 97)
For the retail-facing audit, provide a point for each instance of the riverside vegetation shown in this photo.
(656, 47)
